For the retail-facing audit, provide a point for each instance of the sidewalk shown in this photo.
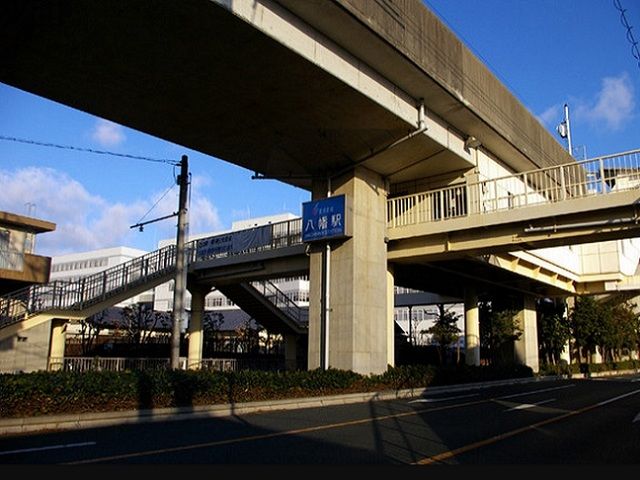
(19, 425)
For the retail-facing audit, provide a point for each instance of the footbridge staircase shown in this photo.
(79, 299)
(76, 300)
(585, 201)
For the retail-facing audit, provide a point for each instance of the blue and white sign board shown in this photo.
(233, 242)
(325, 219)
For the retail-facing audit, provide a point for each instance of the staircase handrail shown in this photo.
(76, 295)
(280, 299)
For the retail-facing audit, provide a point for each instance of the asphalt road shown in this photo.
(569, 422)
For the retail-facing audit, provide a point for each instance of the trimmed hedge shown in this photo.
(585, 368)
(44, 393)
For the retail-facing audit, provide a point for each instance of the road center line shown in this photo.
(316, 428)
(525, 406)
(431, 400)
(488, 441)
(523, 394)
(49, 447)
(298, 431)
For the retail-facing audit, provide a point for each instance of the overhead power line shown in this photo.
(89, 150)
(630, 37)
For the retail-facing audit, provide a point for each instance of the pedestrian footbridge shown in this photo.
(510, 227)
(578, 202)
(446, 172)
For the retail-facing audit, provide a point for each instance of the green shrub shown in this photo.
(40, 393)
(563, 368)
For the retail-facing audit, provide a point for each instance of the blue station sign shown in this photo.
(325, 219)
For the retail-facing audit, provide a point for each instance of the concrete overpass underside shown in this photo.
(337, 96)
(490, 275)
(193, 73)
(292, 90)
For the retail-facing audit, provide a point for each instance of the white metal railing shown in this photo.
(598, 176)
(118, 364)
(282, 301)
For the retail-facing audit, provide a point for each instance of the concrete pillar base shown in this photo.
(196, 333)
(526, 347)
(471, 327)
(290, 351)
(57, 343)
(358, 323)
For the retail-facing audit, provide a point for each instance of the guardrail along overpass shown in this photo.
(373, 100)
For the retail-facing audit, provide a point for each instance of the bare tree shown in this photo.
(90, 330)
(140, 322)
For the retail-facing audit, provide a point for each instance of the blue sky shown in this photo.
(547, 52)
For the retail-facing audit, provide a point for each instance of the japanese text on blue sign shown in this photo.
(323, 219)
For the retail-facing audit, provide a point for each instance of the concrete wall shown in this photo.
(27, 351)
(411, 28)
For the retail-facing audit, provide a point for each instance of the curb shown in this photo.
(76, 421)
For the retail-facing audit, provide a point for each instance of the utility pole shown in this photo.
(564, 129)
(181, 271)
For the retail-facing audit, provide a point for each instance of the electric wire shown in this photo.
(89, 150)
(630, 37)
(103, 152)
(157, 201)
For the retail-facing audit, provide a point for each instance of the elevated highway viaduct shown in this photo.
(373, 100)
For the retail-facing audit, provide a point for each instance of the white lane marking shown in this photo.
(637, 419)
(536, 391)
(430, 400)
(525, 406)
(50, 447)
(635, 380)
(617, 398)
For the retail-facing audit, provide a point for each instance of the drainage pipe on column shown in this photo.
(326, 293)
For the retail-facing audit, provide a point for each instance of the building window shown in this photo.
(5, 236)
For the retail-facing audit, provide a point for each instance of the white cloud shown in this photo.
(552, 116)
(85, 221)
(614, 104)
(108, 134)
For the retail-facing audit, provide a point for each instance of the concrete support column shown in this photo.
(596, 356)
(566, 353)
(196, 332)
(358, 337)
(290, 351)
(57, 343)
(471, 326)
(526, 347)
(391, 333)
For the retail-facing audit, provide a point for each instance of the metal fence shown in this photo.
(598, 176)
(119, 364)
